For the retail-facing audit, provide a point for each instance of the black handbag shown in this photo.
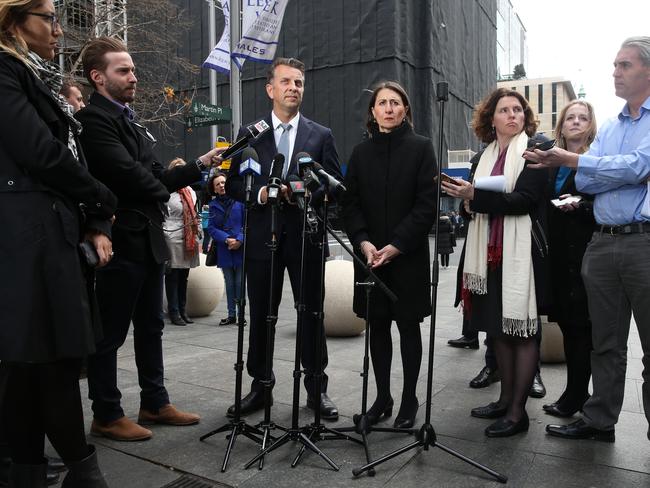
(211, 256)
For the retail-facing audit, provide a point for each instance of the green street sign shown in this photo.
(202, 121)
(200, 109)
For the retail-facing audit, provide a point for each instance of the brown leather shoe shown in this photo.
(168, 415)
(122, 429)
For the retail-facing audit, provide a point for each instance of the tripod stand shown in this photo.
(426, 436)
(236, 425)
(295, 433)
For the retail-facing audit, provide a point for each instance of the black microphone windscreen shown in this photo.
(293, 177)
(249, 153)
(442, 91)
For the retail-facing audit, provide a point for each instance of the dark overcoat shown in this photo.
(569, 234)
(445, 236)
(120, 154)
(45, 308)
(391, 199)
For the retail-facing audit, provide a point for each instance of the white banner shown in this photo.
(219, 58)
(260, 31)
(262, 21)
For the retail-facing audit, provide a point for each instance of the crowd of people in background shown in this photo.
(88, 206)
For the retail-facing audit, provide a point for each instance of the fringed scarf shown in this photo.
(519, 306)
(190, 222)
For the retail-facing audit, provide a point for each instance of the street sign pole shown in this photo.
(235, 78)
(213, 74)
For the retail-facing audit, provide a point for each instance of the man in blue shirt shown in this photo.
(616, 265)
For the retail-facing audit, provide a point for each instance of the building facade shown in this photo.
(546, 96)
(512, 49)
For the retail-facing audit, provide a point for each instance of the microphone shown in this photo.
(296, 191)
(249, 167)
(249, 164)
(297, 195)
(253, 131)
(332, 182)
(275, 179)
(305, 163)
(442, 91)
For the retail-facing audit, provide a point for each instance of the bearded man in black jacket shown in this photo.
(120, 154)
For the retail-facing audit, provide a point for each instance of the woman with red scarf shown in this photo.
(502, 282)
(183, 235)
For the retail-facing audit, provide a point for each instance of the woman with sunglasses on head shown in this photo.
(570, 229)
(49, 203)
(387, 213)
(502, 282)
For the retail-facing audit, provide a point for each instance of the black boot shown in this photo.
(185, 317)
(176, 318)
(28, 475)
(85, 473)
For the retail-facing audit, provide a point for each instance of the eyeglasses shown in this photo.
(54, 20)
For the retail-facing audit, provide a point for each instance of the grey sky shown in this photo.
(578, 39)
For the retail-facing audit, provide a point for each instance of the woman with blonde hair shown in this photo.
(49, 205)
(570, 228)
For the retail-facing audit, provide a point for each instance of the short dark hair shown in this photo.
(291, 62)
(484, 112)
(210, 184)
(94, 54)
(371, 123)
(68, 83)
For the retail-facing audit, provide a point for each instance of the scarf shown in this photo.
(51, 76)
(519, 306)
(190, 222)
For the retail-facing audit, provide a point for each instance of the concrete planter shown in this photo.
(340, 320)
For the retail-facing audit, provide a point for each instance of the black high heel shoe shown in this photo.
(406, 417)
(376, 412)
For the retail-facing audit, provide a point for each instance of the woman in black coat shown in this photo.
(49, 203)
(503, 289)
(387, 212)
(446, 240)
(570, 229)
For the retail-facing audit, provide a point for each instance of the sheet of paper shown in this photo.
(491, 183)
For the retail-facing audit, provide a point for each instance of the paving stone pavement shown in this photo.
(200, 378)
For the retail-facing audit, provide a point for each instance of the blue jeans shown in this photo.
(232, 278)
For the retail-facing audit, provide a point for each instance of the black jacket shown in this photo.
(529, 196)
(45, 309)
(569, 234)
(391, 199)
(312, 138)
(120, 154)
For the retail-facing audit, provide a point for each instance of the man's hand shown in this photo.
(264, 194)
(552, 158)
(568, 207)
(212, 157)
(103, 245)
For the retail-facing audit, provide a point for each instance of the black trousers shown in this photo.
(258, 275)
(128, 291)
(40, 399)
(176, 289)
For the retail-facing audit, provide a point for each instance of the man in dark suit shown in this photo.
(120, 154)
(292, 133)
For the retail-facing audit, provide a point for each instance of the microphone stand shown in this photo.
(237, 425)
(363, 426)
(317, 431)
(267, 424)
(426, 436)
(296, 433)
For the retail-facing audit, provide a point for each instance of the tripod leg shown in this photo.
(499, 477)
(231, 444)
(367, 467)
(371, 471)
(306, 441)
(281, 441)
